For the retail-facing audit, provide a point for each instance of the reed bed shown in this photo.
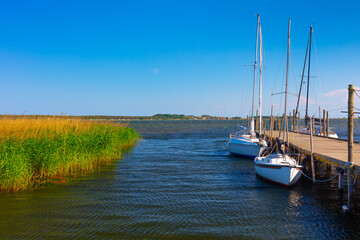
(34, 150)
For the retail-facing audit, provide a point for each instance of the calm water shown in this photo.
(178, 183)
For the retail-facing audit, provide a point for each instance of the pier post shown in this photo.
(328, 167)
(324, 123)
(327, 170)
(321, 170)
(294, 117)
(271, 129)
(299, 122)
(290, 122)
(274, 123)
(341, 178)
(327, 123)
(287, 128)
(265, 123)
(350, 143)
(280, 125)
(319, 120)
(311, 148)
(264, 127)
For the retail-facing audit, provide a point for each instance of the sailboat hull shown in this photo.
(245, 148)
(280, 174)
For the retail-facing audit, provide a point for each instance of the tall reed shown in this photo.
(33, 150)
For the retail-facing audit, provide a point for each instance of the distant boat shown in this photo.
(280, 168)
(330, 135)
(306, 130)
(317, 132)
(244, 142)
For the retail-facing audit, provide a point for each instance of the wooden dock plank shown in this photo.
(325, 149)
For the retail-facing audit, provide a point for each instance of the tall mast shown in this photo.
(287, 81)
(254, 83)
(260, 75)
(302, 79)
(308, 82)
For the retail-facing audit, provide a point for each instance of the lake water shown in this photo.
(179, 182)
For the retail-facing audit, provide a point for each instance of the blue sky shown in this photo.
(189, 57)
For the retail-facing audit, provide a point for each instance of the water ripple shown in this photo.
(178, 183)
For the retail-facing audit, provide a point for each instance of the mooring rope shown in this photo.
(322, 180)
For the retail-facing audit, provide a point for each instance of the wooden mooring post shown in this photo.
(264, 127)
(341, 178)
(320, 128)
(298, 122)
(350, 146)
(324, 123)
(311, 149)
(327, 123)
(281, 124)
(294, 117)
(278, 124)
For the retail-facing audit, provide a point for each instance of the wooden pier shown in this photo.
(329, 150)
(341, 153)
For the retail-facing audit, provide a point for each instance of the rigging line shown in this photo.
(278, 70)
(337, 109)
(302, 76)
(276, 78)
(312, 88)
(244, 95)
(282, 90)
(357, 123)
(357, 94)
(318, 68)
(315, 100)
(293, 65)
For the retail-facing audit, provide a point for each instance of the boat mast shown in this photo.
(302, 79)
(260, 75)
(287, 81)
(254, 83)
(308, 82)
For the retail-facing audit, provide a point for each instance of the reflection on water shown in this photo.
(178, 183)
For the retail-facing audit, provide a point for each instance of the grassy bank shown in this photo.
(33, 150)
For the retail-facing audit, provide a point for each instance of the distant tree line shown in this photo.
(127, 118)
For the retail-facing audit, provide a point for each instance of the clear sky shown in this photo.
(185, 57)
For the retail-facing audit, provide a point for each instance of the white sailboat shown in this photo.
(330, 135)
(280, 168)
(243, 142)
